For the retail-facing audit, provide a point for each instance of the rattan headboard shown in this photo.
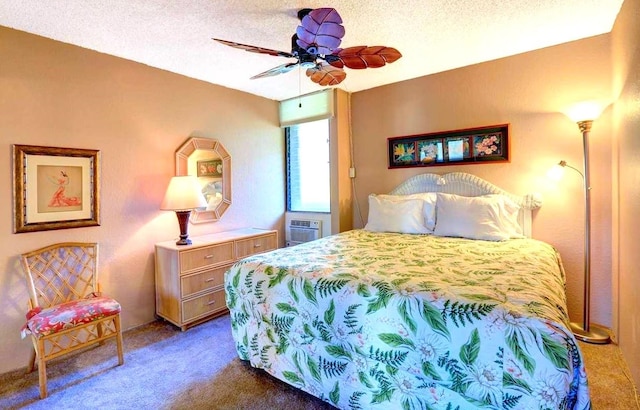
(461, 183)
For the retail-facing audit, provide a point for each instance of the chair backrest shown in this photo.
(61, 273)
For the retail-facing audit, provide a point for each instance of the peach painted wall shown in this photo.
(529, 91)
(55, 94)
(626, 120)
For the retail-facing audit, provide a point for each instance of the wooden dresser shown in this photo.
(190, 278)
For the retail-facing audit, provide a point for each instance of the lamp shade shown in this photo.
(556, 172)
(183, 193)
(585, 111)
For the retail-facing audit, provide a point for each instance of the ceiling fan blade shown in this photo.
(326, 75)
(360, 57)
(255, 49)
(281, 69)
(321, 28)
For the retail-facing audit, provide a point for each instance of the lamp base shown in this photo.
(596, 334)
(183, 221)
(183, 241)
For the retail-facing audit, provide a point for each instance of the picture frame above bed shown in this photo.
(466, 146)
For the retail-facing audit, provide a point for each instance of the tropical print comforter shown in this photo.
(369, 320)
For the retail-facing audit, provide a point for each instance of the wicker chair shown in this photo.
(67, 312)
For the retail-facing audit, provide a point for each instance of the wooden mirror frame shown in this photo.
(182, 168)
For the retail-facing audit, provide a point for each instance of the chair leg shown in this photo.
(32, 360)
(119, 339)
(42, 370)
(100, 332)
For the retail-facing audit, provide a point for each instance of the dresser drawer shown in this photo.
(203, 305)
(206, 256)
(199, 282)
(251, 246)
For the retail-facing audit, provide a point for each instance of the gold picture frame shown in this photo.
(55, 188)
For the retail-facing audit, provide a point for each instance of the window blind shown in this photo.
(309, 107)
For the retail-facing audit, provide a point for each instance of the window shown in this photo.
(308, 187)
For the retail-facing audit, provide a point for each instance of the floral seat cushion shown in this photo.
(43, 322)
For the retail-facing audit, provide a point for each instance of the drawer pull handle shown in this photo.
(212, 302)
(209, 280)
(257, 245)
(208, 257)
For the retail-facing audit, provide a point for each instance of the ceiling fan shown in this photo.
(315, 46)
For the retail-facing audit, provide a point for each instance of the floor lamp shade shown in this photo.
(183, 195)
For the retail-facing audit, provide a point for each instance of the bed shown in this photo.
(389, 318)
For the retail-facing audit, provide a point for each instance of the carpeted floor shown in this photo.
(198, 369)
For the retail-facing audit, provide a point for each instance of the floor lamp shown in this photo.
(586, 331)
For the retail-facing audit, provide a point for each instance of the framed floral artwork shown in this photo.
(55, 188)
(466, 146)
(209, 168)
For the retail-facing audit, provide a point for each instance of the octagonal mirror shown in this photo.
(208, 160)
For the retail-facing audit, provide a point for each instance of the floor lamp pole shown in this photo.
(587, 332)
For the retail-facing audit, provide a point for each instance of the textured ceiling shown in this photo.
(432, 35)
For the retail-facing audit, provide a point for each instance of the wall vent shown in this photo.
(302, 230)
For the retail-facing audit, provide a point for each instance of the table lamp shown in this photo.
(183, 195)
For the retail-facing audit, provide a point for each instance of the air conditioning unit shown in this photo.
(302, 230)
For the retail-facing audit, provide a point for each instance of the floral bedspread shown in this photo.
(369, 320)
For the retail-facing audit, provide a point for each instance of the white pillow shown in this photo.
(428, 208)
(509, 215)
(387, 215)
(488, 217)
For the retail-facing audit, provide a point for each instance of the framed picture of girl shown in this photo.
(55, 188)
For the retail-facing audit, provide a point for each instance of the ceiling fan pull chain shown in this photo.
(299, 87)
